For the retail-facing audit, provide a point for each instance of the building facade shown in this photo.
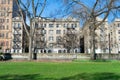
(101, 38)
(114, 35)
(6, 8)
(17, 35)
(48, 31)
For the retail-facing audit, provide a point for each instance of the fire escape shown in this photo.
(17, 42)
(40, 38)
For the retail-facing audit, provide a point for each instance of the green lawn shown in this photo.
(60, 71)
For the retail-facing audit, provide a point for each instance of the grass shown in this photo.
(84, 70)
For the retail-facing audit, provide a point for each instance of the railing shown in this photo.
(17, 33)
(16, 40)
(15, 27)
(40, 32)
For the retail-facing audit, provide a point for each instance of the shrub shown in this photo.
(1, 53)
(0, 47)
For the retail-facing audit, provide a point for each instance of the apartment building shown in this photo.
(101, 38)
(6, 8)
(114, 35)
(48, 31)
(17, 35)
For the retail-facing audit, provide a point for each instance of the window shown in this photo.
(64, 25)
(7, 14)
(7, 20)
(4, 9)
(118, 31)
(72, 25)
(57, 25)
(36, 25)
(67, 25)
(75, 25)
(51, 38)
(3, 2)
(8, 1)
(2, 20)
(6, 35)
(50, 25)
(7, 43)
(41, 25)
(2, 27)
(118, 24)
(7, 27)
(119, 38)
(2, 43)
(50, 31)
(58, 38)
(8, 8)
(101, 31)
(14, 24)
(51, 45)
(64, 31)
(1, 35)
(18, 25)
(58, 31)
(45, 31)
(111, 33)
(44, 25)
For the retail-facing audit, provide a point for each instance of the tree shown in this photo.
(40, 42)
(70, 40)
(28, 10)
(88, 14)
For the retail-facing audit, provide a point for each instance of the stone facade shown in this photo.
(17, 35)
(6, 7)
(114, 33)
(48, 31)
(101, 38)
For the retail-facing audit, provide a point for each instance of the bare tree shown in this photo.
(88, 14)
(28, 10)
(40, 42)
(103, 38)
(70, 40)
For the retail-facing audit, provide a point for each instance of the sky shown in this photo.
(54, 6)
(51, 8)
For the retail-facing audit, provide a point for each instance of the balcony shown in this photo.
(40, 27)
(15, 35)
(40, 39)
(16, 32)
(71, 32)
(16, 40)
(16, 47)
(15, 27)
(40, 32)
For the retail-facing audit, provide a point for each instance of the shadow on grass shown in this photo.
(82, 76)
(96, 76)
(101, 60)
(24, 77)
(98, 60)
(19, 77)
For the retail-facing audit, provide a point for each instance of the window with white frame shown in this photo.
(50, 31)
(51, 26)
(58, 31)
(118, 31)
(51, 38)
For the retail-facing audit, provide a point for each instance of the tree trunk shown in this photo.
(94, 53)
(30, 49)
